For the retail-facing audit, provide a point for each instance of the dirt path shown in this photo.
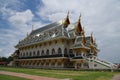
(32, 77)
(116, 77)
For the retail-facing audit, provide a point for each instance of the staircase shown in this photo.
(105, 63)
(102, 62)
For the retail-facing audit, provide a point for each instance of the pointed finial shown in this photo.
(83, 39)
(91, 33)
(83, 29)
(95, 40)
(80, 16)
(68, 13)
(66, 21)
(79, 19)
(91, 38)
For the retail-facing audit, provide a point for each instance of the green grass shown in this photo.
(74, 75)
(7, 77)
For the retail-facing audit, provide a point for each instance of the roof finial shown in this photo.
(91, 38)
(78, 26)
(83, 39)
(80, 16)
(68, 13)
(83, 32)
(94, 41)
(66, 21)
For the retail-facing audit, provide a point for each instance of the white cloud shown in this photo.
(21, 17)
(20, 22)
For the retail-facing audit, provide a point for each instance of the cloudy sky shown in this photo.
(102, 17)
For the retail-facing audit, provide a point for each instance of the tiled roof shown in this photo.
(44, 28)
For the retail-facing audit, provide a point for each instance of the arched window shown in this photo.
(23, 54)
(65, 51)
(59, 51)
(26, 54)
(47, 52)
(30, 54)
(38, 53)
(34, 53)
(70, 51)
(53, 51)
(42, 53)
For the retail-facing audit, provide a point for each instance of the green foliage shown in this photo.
(7, 77)
(5, 59)
(74, 75)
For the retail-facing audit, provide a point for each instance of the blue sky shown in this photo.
(102, 17)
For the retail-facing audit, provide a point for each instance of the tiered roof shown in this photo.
(58, 30)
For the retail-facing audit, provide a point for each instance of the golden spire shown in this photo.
(78, 27)
(94, 42)
(83, 32)
(83, 39)
(66, 21)
(91, 37)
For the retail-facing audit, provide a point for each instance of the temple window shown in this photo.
(47, 52)
(65, 51)
(38, 53)
(23, 54)
(42, 53)
(59, 51)
(34, 53)
(26, 54)
(53, 51)
(70, 51)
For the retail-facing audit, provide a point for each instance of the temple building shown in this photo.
(60, 44)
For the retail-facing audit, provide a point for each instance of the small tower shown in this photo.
(66, 21)
(78, 27)
(91, 38)
(83, 37)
